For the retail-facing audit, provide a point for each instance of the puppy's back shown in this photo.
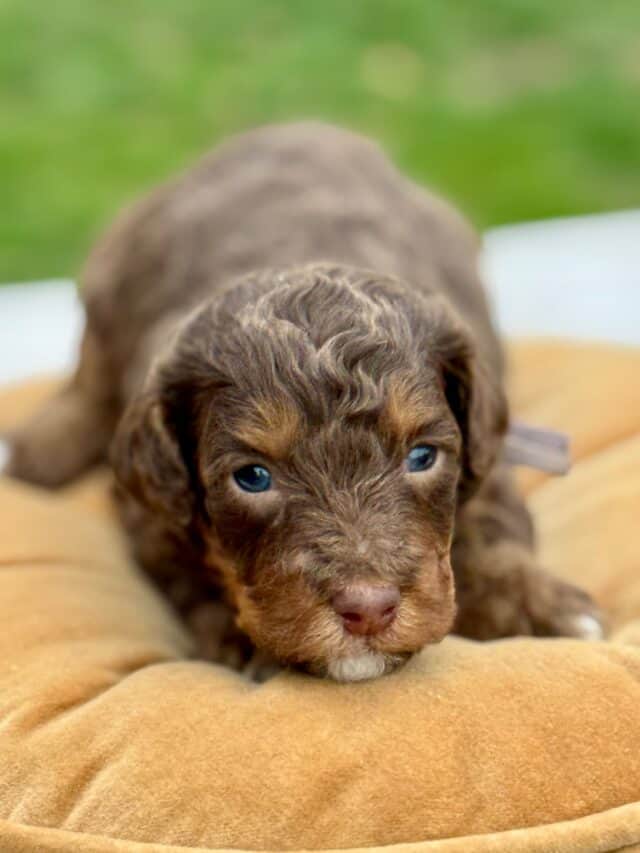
(280, 195)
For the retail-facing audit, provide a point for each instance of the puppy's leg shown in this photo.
(70, 432)
(173, 564)
(501, 589)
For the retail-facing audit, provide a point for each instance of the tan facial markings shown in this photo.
(407, 410)
(272, 428)
(412, 416)
(223, 568)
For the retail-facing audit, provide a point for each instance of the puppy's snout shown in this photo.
(366, 609)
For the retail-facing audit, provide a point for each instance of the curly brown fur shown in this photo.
(294, 302)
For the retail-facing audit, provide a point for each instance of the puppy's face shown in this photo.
(321, 468)
(332, 534)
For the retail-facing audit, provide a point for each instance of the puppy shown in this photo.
(292, 348)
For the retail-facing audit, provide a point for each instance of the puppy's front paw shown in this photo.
(559, 609)
(5, 452)
(261, 667)
(512, 596)
(217, 639)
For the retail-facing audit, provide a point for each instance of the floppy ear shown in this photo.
(153, 450)
(148, 461)
(477, 400)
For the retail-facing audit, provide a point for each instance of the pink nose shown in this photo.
(366, 608)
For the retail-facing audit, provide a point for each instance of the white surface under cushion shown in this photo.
(40, 326)
(576, 278)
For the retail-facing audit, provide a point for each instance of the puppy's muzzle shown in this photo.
(366, 609)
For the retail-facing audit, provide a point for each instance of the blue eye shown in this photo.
(253, 478)
(421, 458)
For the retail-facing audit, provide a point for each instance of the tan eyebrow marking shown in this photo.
(406, 410)
(272, 428)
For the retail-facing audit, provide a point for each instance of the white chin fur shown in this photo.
(358, 667)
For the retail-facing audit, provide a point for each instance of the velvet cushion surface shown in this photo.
(111, 739)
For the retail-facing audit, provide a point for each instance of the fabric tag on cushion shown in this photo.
(537, 447)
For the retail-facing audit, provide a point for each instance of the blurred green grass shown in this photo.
(516, 109)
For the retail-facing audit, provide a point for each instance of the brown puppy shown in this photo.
(313, 408)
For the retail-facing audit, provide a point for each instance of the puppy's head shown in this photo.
(315, 430)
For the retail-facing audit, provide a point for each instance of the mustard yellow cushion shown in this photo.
(112, 741)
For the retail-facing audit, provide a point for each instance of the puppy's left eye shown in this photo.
(253, 478)
(421, 458)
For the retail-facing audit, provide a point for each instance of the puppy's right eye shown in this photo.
(253, 478)
(421, 458)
